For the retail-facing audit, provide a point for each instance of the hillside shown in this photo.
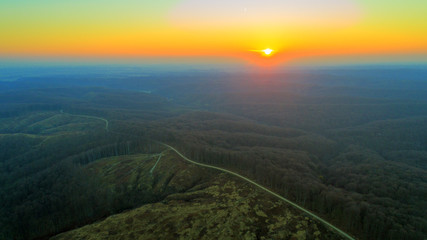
(202, 205)
(75, 154)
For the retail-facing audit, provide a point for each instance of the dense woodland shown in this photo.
(351, 148)
(371, 191)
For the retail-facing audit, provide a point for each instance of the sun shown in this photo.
(267, 51)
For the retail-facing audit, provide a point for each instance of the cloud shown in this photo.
(264, 13)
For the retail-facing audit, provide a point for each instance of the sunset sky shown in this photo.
(304, 29)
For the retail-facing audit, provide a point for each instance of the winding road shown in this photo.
(314, 216)
(92, 117)
(337, 230)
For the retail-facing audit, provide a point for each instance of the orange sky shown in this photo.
(306, 29)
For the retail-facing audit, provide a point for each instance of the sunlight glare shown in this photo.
(267, 51)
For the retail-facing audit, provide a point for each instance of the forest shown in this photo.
(349, 145)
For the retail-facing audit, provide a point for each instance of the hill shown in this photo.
(202, 205)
